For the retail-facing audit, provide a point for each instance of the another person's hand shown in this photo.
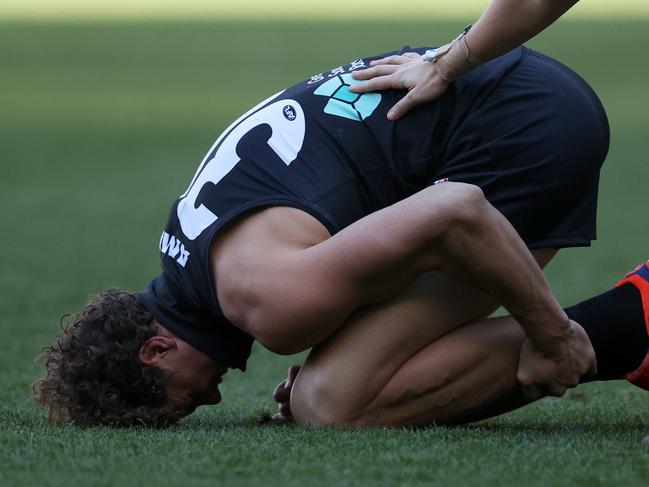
(406, 71)
(557, 366)
(282, 396)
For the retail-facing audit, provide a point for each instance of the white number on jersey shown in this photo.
(286, 120)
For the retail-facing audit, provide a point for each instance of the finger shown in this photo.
(292, 374)
(370, 73)
(394, 59)
(412, 55)
(285, 409)
(572, 382)
(556, 390)
(528, 386)
(281, 393)
(377, 84)
(531, 392)
(280, 386)
(279, 418)
(404, 105)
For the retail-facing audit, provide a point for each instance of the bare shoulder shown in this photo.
(249, 257)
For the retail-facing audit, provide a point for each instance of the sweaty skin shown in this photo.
(282, 280)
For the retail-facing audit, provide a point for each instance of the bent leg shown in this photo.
(467, 375)
(410, 361)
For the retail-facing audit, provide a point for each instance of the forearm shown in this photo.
(302, 297)
(488, 253)
(452, 228)
(506, 24)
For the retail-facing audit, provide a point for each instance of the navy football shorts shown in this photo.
(534, 144)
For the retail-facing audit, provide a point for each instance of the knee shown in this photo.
(458, 205)
(313, 399)
(316, 401)
(468, 203)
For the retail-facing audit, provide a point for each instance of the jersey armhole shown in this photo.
(292, 203)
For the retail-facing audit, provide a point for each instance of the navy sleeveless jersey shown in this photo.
(315, 146)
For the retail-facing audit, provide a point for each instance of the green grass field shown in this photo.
(102, 126)
(337, 10)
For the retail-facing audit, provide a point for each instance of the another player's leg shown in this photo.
(617, 323)
(465, 374)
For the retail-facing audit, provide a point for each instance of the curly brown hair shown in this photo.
(94, 376)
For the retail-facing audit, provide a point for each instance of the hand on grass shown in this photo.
(551, 370)
(405, 71)
(282, 396)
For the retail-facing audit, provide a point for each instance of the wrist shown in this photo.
(454, 59)
(551, 337)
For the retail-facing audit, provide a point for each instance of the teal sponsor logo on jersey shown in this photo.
(344, 103)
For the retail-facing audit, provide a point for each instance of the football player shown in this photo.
(314, 222)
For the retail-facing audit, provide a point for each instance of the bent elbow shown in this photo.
(286, 320)
(275, 334)
(281, 347)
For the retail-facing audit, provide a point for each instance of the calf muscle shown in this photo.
(424, 356)
(466, 375)
(346, 373)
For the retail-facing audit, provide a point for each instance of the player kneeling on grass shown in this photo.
(315, 222)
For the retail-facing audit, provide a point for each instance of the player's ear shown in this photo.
(154, 350)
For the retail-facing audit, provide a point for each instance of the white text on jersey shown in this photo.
(172, 246)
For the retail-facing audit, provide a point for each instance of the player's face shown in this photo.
(193, 381)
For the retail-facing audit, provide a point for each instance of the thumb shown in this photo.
(292, 374)
(531, 391)
(281, 392)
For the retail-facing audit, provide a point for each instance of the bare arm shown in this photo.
(292, 296)
(452, 228)
(504, 25)
(291, 290)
